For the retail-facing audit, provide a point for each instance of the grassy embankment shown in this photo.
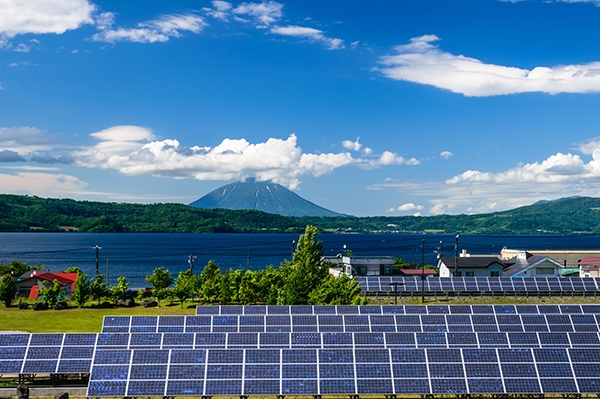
(89, 319)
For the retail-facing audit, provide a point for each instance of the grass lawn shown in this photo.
(74, 319)
(90, 319)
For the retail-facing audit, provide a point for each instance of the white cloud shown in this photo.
(158, 30)
(42, 184)
(595, 2)
(422, 62)
(22, 48)
(19, 17)
(390, 158)
(352, 145)
(24, 140)
(446, 154)
(220, 11)
(135, 150)
(410, 207)
(265, 13)
(474, 191)
(312, 34)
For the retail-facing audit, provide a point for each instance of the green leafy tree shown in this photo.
(305, 271)
(51, 294)
(160, 278)
(226, 294)
(270, 282)
(8, 290)
(185, 286)
(118, 291)
(73, 269)
(210, 282)
(342, 290)
(16, 268)
(83, 289)
(99, 288)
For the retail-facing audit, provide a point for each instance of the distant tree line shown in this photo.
(30, 213)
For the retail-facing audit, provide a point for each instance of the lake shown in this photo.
(136, 255)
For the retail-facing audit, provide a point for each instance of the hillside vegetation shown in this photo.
(29, 213)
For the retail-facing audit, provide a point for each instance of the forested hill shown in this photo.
(26, 213)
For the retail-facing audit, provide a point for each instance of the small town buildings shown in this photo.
(417, 272)
(368, 265)
(470, 266)
(589, 267)
(569, 258)
(526, 264)
(30, 283)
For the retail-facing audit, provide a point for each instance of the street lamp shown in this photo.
(423, 270)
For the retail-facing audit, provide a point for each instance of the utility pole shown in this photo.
(97, 247)
(456, 256)
(423, 270)
(191, 259)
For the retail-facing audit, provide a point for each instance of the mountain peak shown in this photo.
(263, 196)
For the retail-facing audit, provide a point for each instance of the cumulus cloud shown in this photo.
(135, 150)
(446, 154)
(311, 34)
(390, 158)
(265, 13)
(158, 30)
(43, 16)
(474, 191)
(410, 207)
(352, 145)
(421, 61)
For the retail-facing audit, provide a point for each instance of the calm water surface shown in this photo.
(136, 255)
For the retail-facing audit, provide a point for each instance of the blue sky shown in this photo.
(413, 107)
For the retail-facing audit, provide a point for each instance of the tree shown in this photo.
(210, 282)
(160, 278)
(185, 285)
(16, 268)
(73, 269)
(118, 291)
(8, 290)
(99, 288)
(51, 294)
(341, 290)
(83, 289)
(305, 272)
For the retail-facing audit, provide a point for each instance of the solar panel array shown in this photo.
(453, 349)
(46, 353)
(479, 284)
(223, 372)
(313, 324)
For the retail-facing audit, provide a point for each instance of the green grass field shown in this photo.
(89, 319)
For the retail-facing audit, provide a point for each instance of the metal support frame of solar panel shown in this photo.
(46, 353)
(357, 371)
(479, 284)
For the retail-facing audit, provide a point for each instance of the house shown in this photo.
(30, 283)
(470, 266)
(368, 265)
(589, 267)
(527, 265)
